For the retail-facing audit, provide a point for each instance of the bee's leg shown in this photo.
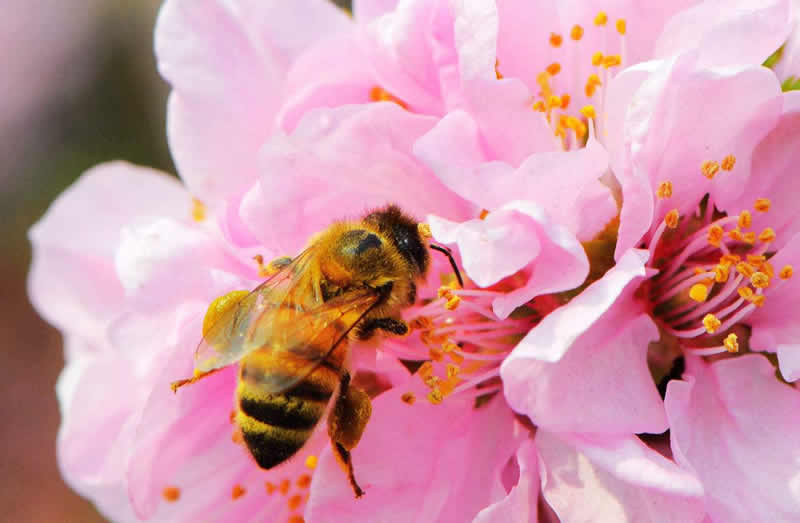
(273, 267)
(346, 423)
(175, 385)
(391, 325)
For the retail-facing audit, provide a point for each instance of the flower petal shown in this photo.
(736, 426)
(520, 505)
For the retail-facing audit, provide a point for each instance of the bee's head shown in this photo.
(403, 231)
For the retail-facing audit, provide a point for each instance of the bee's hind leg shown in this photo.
(346, 424)
(391, 325)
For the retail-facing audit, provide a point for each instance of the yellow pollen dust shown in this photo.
(452, 370)
(294, 502)
(379, 94)
(698, 292)
(588, 111)
(767, 235)
(554, 101)
(745, 269)
(664, 190)
(553, 68)
(622, 26)
(556, 39)
(311, 462)
(237, 492)
(728, 162)
(709, 168)
(304, 481)
(198, 210)
(601, 18)
(539, 106)
(171, 494)
(786, 272)
(711, 323)
(759, 280)
(721, 273)
(565, 98)
(435, 396)
(715, 235)
(745, 219)
(745, 292)
(408, 398)
(672, 218)
(592, 83)
(612, 60)
(762, 204)
(731, 342)
(576, 33)
(597, 58)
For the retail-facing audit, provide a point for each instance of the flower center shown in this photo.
(465, 343)
(713, 270)
(584, 83)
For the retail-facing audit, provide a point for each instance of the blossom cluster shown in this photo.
(618, 181)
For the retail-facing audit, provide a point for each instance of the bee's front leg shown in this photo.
(391, 325)
(346, 424)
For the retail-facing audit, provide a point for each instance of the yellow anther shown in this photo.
(539, 106)
(612, 60)
(408, 398)
(556, 39)
(449, 346)
(745, 269)
(698, 292)
(762, 204)
(424, 231)
(452, 303)
(436, 354)
(759, 280)
(601, 18)
(664, 190)
(452, 370)
(729, 259)
(672, 218)
(425, 370)
(715, 235)
(456, 358)
(283, 488)
(597, 58)
(576, 33)
(304, 481)
(767, 235)
(171, 494)
(786, 272)
(699, 270)
(736, 234)
(565, 98)
(379, 94)
(296, 518)
(709, 168)
(728, 162)
(576, 125)
(592, 83)
(497, 73)
(311, 462)
(749, 237)
(721, 273)
(553, 101)
(270, 487)
(731, 342)
(768, 269)
(622, 26)
(758, 300)
(238, 491)
(588, 111)
(756, 259)
(294, 502)
(711, 323)
(484, 213)
(553, 69)
(198, 210)
(745, 292)
(745, 219)
(435, 396)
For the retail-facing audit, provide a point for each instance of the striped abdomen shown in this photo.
(275, 425)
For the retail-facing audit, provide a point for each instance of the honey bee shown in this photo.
(290, 336)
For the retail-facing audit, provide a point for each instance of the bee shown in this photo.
(290, 336)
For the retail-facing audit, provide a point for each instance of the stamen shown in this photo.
(171, 494)
(709, 168)
(497, 73)
(593, 82)
(767, 235)
(601, 18)
(612, 61)
(379, 94)
(296, 518)
(711, 323)
(409, 398)
(539, 106)
(597, 58)
(746, 292)
(728, 162)
(565, 98)
(745, 219)
(715, 235)
(698, 292)
(672, 218)
(311, 462)
(786, 272)
(588, 111)
(237, 492)
(762, 204)
(731, 343)
(745, 269)
(435, 396)
(576, 33)
(664, 190)
(621, 26)
(556, 40)
(759, 280)
(553, 68)
(198, 210)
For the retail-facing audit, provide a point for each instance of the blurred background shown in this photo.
(78, 86)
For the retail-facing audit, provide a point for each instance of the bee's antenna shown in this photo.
(449, 255)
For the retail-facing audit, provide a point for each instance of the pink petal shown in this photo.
(227, 64)
(73, 282)
(615, 479)
(340, 163)
(366, 10)
(521, 503)
(736, 426)
(728, 32)
(419, 462)
(601, 385)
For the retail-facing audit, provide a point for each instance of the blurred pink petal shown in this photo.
(615, 479)
(737, 428)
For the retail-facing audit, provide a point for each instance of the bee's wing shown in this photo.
(241, 329)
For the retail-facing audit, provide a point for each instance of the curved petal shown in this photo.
(521, 503)
(733, 419)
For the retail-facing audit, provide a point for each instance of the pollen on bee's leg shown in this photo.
(198, 375)
(171, 494)
(219, 307)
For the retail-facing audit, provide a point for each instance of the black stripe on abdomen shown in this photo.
(272, 447)
(283, 411)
